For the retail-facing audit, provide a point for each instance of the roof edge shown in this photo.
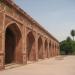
(10, 2)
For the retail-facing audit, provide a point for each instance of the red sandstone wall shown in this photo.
(10, 15)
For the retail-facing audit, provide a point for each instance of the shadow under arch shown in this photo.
(31, 54)
(40, 48)
(13, 44)
(49, 48)
(46, 49)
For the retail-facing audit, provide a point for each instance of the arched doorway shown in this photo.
(31, 55)
(46, 49)
(12, 44)
(40, 48)
(9, 46)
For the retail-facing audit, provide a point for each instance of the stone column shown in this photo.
(43, 47)
(1, 50)
(51, 50)
(2, 39)
(54, 50)
(24, 46)
(36, 46)
(48, 50)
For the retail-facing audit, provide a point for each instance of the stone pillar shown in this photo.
(2, 19)
(51, 50)
(24, 46)
(2, 50)
(36, 46)
(43, 47)
(54, 50)
(48, 50)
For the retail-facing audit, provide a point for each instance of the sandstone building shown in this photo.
(22, 39)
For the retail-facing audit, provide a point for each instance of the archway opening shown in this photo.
(9, 46)
(46, 49)
(12, 44)
(40, 48)
(31, 55)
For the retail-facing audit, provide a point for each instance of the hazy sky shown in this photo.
(56, 16)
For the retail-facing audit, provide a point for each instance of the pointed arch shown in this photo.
(13, 44)
(31, 55)
(46, 48)
(40, 48)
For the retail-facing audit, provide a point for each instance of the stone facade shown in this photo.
(22, 39)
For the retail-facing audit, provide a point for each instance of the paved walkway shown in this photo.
(53, 66)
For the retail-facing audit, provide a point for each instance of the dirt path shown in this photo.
(53, 66)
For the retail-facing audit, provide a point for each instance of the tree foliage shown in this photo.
(73, 33)
(67, 46)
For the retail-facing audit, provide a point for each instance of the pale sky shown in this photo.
(56, 16)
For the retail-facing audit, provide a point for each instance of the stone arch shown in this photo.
(31, 54)
(13, 44)
(40, 48)
(12, 22)
(46, 48)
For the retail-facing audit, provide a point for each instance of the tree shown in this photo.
(73, 34)
(67, 46)
(68, 39)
